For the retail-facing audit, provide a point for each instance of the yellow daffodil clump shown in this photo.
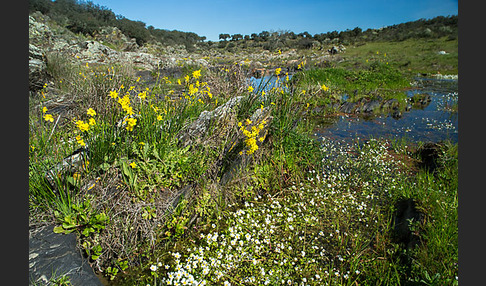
(83, 126)
(251, 135)
(196, 74)
(47, 117)
(131, 122)
(91, 112)
(80, 141)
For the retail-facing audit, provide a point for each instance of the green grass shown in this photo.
(374, 77)
(412, 56)
(296, 211)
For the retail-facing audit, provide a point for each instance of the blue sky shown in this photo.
(211, 18)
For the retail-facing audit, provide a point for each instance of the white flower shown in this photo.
(153, 268)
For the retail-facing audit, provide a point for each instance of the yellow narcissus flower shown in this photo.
(131, 122)
(44, 109)
(277, 71)
(192, 90)
(129, 110)
(250, 89)
(113, 94)
(142, 95)
(91, 112)
(80, 140)
(324, 87)
(92, 121)
(82, 125)
(48, 117)
(133, 165)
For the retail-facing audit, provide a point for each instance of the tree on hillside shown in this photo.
(43, 6)
(224, 36)
(236, 37)
(264, 35)
(133, 29)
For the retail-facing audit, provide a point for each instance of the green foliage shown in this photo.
(151, 168)
(81, 218)
(111, 272)
(176, 225)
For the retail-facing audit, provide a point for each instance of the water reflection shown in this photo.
(434, 122)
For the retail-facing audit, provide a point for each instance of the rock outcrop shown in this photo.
(37, 68)
(197, 130)
(53, 255)
(114, 36)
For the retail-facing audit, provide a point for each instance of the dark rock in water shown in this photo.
(370, 106)
(429, 154)
(420, 100)
(348, 107)
(405, 214)
(396, 114)
(390, 104)
(53, 255)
